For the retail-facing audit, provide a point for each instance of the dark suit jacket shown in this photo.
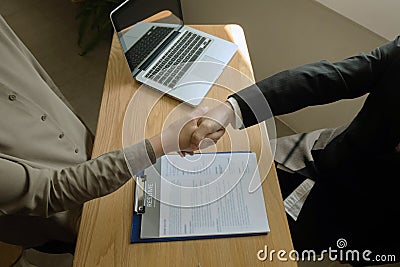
(355, 166)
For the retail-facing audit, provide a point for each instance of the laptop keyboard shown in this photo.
(171, 67)
(145, 45)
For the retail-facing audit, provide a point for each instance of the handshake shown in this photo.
(199, 129)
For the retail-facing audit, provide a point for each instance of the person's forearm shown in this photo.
(289, 91)
(156, 143)
(43, 192)
(315, 84)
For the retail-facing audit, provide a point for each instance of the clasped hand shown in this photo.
(199, 129)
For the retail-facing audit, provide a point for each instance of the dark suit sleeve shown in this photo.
(315, 84)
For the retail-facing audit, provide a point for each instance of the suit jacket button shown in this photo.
(76, 150)
(12, 97)
(61, 135)
(44, 117)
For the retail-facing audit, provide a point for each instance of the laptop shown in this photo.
(166, 55)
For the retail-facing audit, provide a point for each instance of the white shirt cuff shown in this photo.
(238, 122)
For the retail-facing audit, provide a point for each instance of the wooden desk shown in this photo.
(9, 254)
(106, 222)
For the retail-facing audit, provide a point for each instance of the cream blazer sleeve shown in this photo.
(27, 190)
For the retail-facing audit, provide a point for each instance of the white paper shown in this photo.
(208, 194)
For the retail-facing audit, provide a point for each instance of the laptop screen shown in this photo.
(143, 25)
(132, 11)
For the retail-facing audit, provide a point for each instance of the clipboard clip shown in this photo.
(139, 193)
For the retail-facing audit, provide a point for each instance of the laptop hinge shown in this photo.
(159, 50)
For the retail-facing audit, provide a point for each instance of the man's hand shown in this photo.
(178, 135)
(212, 125)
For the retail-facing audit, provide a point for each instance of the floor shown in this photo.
(49, 30)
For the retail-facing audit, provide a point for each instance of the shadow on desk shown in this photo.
(9, 254)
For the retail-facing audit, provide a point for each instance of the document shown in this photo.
(204, 195)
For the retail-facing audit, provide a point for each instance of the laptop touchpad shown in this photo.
(207, 70)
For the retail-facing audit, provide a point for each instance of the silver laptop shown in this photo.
(166, 55)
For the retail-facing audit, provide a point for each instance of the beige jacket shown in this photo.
(45, 171)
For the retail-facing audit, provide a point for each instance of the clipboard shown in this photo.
(146, 180)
